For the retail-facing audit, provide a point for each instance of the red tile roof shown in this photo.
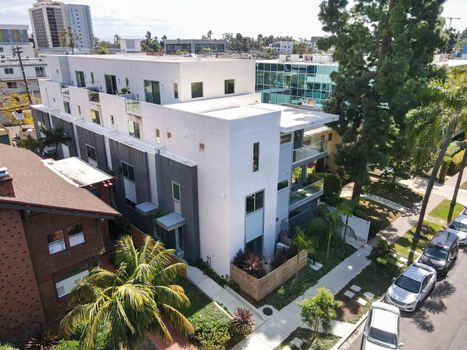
(37, 186)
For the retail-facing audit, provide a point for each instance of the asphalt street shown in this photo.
(441, 321)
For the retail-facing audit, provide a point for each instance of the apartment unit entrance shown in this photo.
(171, 230)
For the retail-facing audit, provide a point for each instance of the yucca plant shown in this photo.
(243, 321)
(253, 264)
(45, 341)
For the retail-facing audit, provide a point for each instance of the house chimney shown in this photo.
(6, 184)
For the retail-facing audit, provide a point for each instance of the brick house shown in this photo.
(52, 234)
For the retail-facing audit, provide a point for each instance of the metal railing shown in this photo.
(300, 193)
(94, 96)
(309, 151)
(133, 106)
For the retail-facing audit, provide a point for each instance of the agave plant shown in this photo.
(45, 341)
(253, 264)
(243, 321)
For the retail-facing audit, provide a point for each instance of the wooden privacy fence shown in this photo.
(258, 288)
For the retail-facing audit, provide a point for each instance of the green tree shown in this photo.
(31, 144)
(301, 49)
(205, 51)
(451, 37)
(319, 309)
(267, 53)
(52, 137)
(433, 124)
(68, 38)
(117, 39)
(457, 187)
(384, 49)
(138, 298)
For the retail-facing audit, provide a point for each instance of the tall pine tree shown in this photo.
(384, 49)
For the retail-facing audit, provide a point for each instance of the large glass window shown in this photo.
(56, 242)
(254, 202)
(229, 86)
(110, 84)
(175, 191)
(80, 82)
(40, 71)
(95, 116)
(196, 90)
(66, 107)
(65, 286)
(8, 70)
(133, 129)
(75, 235)
(152, 92)
(256, 156)
(175, 90)
(128, 171)
(91, 153)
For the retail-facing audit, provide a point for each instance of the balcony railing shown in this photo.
(94, 96)
(65, 89)
(306, 152)
(133, 106)
(310, 191)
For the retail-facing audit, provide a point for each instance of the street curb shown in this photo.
(350, 332)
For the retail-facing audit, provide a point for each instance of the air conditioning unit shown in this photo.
(281, 247)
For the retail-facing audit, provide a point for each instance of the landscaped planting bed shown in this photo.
(394, 192)
(323, 342)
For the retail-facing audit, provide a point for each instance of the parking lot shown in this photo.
(441, 321)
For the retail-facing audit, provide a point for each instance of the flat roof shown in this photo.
(76, 171)
(233, 113)
(302, 63)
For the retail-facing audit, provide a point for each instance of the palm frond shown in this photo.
(180, 322)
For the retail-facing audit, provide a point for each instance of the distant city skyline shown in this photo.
(192, 19)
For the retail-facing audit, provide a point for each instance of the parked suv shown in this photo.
(441, 252)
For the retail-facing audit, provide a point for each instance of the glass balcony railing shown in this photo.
(309, 151)
(65, 89)
(133, 107)
(94, 96)
(305, 191)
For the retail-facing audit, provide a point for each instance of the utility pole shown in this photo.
(18, 51)
(450, 21)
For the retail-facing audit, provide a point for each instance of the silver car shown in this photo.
(382, 328)
(458, 226)
(411, 287)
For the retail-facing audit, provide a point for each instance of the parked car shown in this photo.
(411, 287)
(441, 252)
(382, 328)
(459, 227)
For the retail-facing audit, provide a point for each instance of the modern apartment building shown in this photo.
(11, 78)
(51, 19)
(52, 233)
(283, 47)
(194, 45)
(201, 162)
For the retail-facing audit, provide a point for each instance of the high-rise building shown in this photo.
(51, 19)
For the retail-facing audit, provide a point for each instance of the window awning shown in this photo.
(146, 208)
(171, 221)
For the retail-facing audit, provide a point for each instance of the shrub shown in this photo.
(212, 328)
(7, 347)
(283, 256)
(243, 321)
(360, 213)
(45, 341)
(253, 264)
(453, 148)
(444, 168)
(383, 254)
(68, 345)
(456, 162)
(332, 188)
(238, 258)
(207, 270)
(318, 230)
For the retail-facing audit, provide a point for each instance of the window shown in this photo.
(254, 202)
(202, 147)
(91, 153)
(256, 156)
(92, 78)
(8, 70)
(283, 184)
(169, 135)
(175, 90)
(1, 48)
(40, 72)
(65, 286)
(66, 107)
(11, 84)
(95, 116)
(133, 129)
(175, 191)
(56, 242)
(110, 84)
(330, 136)
(196, 90)
(112, 120)
(75, 235)
(158, 136)
(229, 86)
(79, 109)
(128, 171)
(286, 138)
(80, 79)
(152, 92)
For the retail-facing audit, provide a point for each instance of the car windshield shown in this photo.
(382, 338)
(408, 283)
(436, 252)
(458, 226)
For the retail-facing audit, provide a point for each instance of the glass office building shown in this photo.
(300, 83)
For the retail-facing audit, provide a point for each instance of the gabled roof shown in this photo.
(38, 187)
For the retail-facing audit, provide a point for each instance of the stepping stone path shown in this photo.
(369, 295)
(356, 288)
(362, 301)
(399, 264)
(402, 259)
(349, 294)
(297, 342)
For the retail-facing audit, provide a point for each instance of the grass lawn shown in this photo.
(293, 288)
(404, 244)
(394, 192)
(198, 300)
(374, 279)
(323, 342)
(379, 215)
(442, 209)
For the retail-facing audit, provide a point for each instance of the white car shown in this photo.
(458, 226)
(411, 287)
(382, 328)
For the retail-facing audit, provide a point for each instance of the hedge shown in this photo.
(212, 328)
(456, 162)
(453, 148)
(67, 345)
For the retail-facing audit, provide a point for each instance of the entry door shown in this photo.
(65, 151)
(110, 84)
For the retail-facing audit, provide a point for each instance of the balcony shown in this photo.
(310, 152)
(65, 89)
(133, 107)
(301, 194)
(94, 97)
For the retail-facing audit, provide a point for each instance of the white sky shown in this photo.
(193, 18)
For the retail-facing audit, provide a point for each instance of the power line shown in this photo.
(18, 51)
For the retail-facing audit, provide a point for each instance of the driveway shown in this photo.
(441, 322)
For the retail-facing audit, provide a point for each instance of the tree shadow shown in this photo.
(421, 321)
(434, 306)
(443, 289)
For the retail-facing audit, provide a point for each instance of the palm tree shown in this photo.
(433, 124)
(458, 185)
(138, 298)
(54, 136)
(68, 38)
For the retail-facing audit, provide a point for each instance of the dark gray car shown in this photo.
(441, 252)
